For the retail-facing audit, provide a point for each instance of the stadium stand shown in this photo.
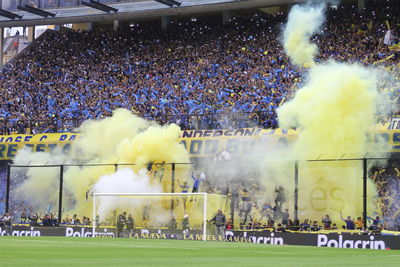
(233, 75)
(199, 74)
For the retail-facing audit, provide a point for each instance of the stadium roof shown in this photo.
(131, 10)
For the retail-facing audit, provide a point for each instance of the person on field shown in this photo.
(7, 223)
(121, 221)
(130, 224)
(220, 222)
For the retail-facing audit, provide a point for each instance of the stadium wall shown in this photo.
(337, 240)
(199, 143)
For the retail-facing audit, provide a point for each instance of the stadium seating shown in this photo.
(233, 75)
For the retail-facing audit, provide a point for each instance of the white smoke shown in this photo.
(124, 181)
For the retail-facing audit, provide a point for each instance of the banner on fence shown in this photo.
(315, 239)
(199, 143)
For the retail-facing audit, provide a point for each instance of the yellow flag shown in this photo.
(387, 24)
(370, 25)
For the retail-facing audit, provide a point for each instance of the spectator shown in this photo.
(75, 220)
(315, 227)
(24, 217)
(185, 224)
(280, 228)
(326, 221)
(375, 223)
(305, 226)
(349, 222)
(285, 217)
(33, 220)
(359, 223)
(86, 220)
(196, 79)
(47, 221)
(172, 226)
(196, 181)
(130, 224)
(229, 225)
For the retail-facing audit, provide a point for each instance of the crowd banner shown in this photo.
(199, 143)
(10, 144)
(315, 239)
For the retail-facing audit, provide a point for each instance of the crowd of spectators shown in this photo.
(251, 206)
(198, 73)
(387, 181)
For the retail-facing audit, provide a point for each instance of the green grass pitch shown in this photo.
(64, 251)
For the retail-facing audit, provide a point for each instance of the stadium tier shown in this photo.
(199, 74)
(209, 129)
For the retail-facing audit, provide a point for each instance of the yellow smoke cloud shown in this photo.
(334, 111)
(302, 23)
(122, 138)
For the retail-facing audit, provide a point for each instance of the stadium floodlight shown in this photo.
(10, 15)
(36, 11)
(169, 3)
(99, 6)
(171, 200)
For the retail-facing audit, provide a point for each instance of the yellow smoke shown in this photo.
(334, 111)
(122, 138)
(302, 23)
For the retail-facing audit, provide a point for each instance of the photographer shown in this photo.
(7, 223)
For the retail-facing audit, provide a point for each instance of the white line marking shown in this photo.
(83, 243)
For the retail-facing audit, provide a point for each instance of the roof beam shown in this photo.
(99, 6)
(36, 11)
(8, 14)
(169, 3)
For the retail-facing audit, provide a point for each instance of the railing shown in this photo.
(284, 209)
(186, 122)
(11, 5)
(8, 127)
(205, 121)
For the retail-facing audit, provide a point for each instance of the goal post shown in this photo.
(161, 204)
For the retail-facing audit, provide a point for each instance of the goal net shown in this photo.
(178, 215)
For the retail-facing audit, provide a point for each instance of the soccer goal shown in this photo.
(184, 213)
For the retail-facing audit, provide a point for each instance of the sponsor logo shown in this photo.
(69, 232)
(147, 235)
(10, 232)
(271, 240)
(268, 240)
(324, 241)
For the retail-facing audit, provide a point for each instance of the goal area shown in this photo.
(175, 213)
